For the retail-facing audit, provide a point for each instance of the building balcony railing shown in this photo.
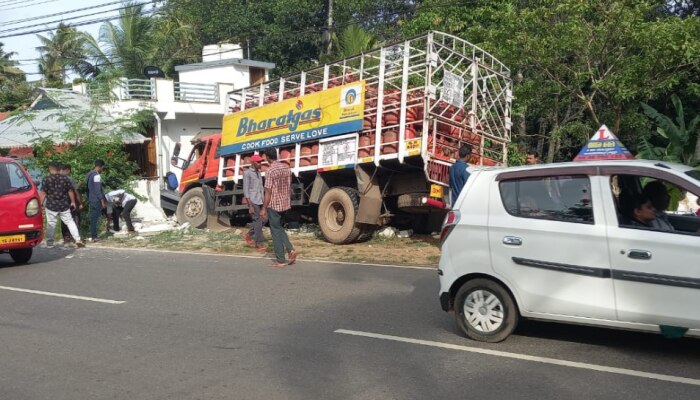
(196, 92)
(124, 89)
(138, 89)
(159, 94)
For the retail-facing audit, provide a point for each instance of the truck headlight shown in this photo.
(32, 208)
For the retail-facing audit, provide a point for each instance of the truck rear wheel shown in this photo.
(192, 208)
(337, 213)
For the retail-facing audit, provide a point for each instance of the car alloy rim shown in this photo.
(483, 311)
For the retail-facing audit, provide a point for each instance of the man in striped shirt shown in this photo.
(278, 183)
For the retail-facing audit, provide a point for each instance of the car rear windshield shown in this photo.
(12, 179)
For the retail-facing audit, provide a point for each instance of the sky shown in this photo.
(25, 46)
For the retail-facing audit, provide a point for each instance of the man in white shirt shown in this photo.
(120, 203)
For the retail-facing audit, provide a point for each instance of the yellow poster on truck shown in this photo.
(318, 115)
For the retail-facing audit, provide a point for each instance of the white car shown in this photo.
(554, 242)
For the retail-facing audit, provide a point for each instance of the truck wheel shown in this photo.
(337, 213)
(485, 311)
(21, 256)
(192, 208)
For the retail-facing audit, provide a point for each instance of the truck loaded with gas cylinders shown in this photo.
(369, 138)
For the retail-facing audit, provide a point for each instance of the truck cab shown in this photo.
(199, 167)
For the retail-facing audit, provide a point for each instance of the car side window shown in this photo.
(652, 204)
(12, 179)
(557, 198)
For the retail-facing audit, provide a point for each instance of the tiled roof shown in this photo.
(44, 119)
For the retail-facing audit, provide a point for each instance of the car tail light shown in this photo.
(32, 208)
(451, 220)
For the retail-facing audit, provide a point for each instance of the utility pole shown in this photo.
(328, 33)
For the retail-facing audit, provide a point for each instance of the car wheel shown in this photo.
(21, 256)
(485, 311)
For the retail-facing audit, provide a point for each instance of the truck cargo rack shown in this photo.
(424, 98)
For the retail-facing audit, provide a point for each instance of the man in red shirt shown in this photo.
(278, 184)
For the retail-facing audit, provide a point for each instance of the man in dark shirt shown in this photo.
(57, 190)
(459, 173)
(96, 197)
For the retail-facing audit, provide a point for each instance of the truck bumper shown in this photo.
(169, 200)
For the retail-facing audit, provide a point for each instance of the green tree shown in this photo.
(286, 32)
(577, 64)
(354, 40)
(679, 139)
(15, 92)
(87, 135)
(61, 51)
(139, 39)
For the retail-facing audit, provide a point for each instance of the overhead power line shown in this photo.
(81, 23)
(30, 19)
(13, 2)
(19, 28)
(27, 5)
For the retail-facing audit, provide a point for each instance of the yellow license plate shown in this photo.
(436, 191)
(12, 239)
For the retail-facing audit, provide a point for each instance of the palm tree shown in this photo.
(682, 140)
(8, 68)
(139, 39)
(354, 40)
(62, 51)
(129, 44)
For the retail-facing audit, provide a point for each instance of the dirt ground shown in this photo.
(421, 250)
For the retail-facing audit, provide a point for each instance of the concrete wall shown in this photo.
(237, 75)
(149, 209)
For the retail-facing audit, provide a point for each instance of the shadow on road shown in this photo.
(649, 344)
(41, 255)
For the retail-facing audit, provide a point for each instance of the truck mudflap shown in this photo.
(169, 200)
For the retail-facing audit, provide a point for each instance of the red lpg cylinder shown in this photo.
(388, 137)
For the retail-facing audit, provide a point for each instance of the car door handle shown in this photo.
(512, 241)
(639, 254)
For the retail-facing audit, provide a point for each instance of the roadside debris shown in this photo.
(388, 232)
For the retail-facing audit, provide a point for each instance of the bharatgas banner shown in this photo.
(318, 115)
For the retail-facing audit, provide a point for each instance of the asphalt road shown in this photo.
(159, 325)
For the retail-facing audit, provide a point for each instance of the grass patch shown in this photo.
(416, 250)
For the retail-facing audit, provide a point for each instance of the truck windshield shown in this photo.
(12, 179)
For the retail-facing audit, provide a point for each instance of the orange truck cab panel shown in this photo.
(203, 162)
